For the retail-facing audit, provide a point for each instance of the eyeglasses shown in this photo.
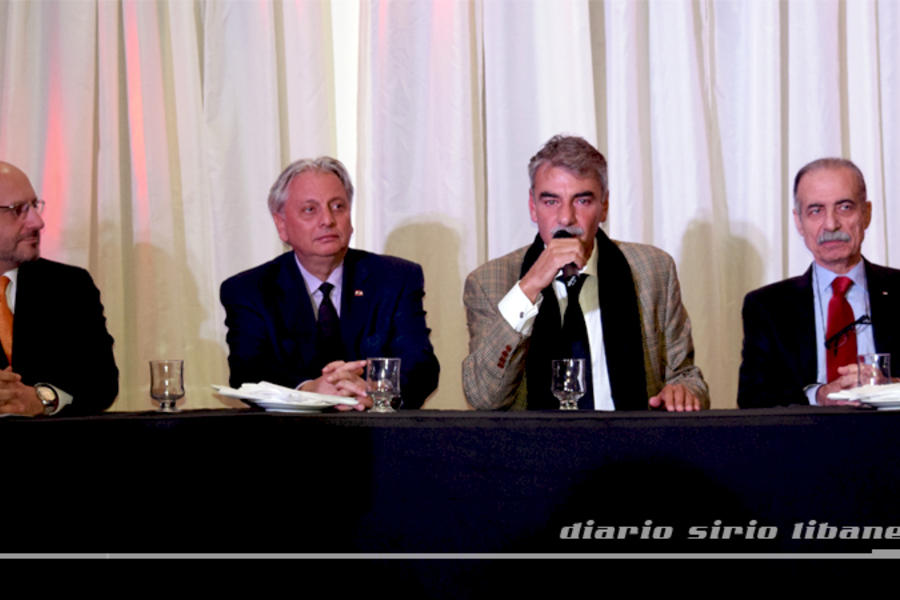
(839, 338)
(21, 209)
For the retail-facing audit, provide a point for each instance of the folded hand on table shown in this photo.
(16, 397)
(675, 397)
(341, 378)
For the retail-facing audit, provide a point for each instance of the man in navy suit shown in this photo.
(311, 317)
(797, 349)
(56, 353)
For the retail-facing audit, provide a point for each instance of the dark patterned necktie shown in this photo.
(328, 332)
(574, 339)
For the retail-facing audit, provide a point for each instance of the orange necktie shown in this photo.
(6, 320)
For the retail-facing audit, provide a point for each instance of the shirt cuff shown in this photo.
(65, 398)
(811, 391)
(518, 310)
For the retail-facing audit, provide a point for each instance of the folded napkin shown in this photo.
(273, 393)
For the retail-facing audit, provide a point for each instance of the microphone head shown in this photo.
(562, 234)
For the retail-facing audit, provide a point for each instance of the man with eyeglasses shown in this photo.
(802, 335)
(56, 354)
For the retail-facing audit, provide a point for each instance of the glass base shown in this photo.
(167, 406)
(382, 407)
(568, 405)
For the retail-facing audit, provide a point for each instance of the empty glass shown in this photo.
(382, 382)
(568, 382)
(167, 383)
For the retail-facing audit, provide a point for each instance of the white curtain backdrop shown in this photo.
(154, 129)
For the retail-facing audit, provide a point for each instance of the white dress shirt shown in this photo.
(336, 278)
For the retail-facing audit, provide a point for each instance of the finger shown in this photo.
(848, 368)
(333, 377)
(348, 387)
(666, 399)
(341, 375)
(8, 394)
(332, 366)
(677, 403)
(691, 402)
(8, 376)
(849, 381)
(355, 367)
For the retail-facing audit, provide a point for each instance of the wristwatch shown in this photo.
(48, 397)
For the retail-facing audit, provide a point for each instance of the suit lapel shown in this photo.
(882, 292)
(800, 319)
(28, 308)
(357, 300)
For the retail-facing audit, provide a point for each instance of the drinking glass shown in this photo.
(568, 382)
(167, 383)
(382, 382)
(874, 369)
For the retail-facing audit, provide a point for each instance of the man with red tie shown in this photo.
(57, 356)
(802, 335)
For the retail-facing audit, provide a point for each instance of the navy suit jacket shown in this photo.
(779, 356)
(60, 336)
(272, 327)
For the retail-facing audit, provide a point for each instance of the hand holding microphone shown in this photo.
(566, 254)
(570, 270)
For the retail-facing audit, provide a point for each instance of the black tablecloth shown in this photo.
(452, 482)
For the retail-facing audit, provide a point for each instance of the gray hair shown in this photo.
(324, 164)
(573, 153)
(831, 163)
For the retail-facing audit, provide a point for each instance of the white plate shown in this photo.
(275, 406)
(882, 403)
(890, 391)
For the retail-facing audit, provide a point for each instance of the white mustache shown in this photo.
(833, 236)
(575, 230)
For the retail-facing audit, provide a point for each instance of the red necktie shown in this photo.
(840, 315)
(6, 320)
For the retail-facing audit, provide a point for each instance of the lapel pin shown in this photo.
(357, 293)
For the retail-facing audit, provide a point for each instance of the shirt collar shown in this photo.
(312, 282)
(13, 275)
(824, 277)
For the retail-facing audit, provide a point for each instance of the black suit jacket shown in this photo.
(60, 336)
(779, 356)
(272, 327)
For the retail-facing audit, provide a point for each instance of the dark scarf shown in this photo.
(622, 332)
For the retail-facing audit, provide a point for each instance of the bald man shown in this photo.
(56, 353)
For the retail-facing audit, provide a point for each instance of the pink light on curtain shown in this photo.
(442, 22)
(55, 160)
(136, 115)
